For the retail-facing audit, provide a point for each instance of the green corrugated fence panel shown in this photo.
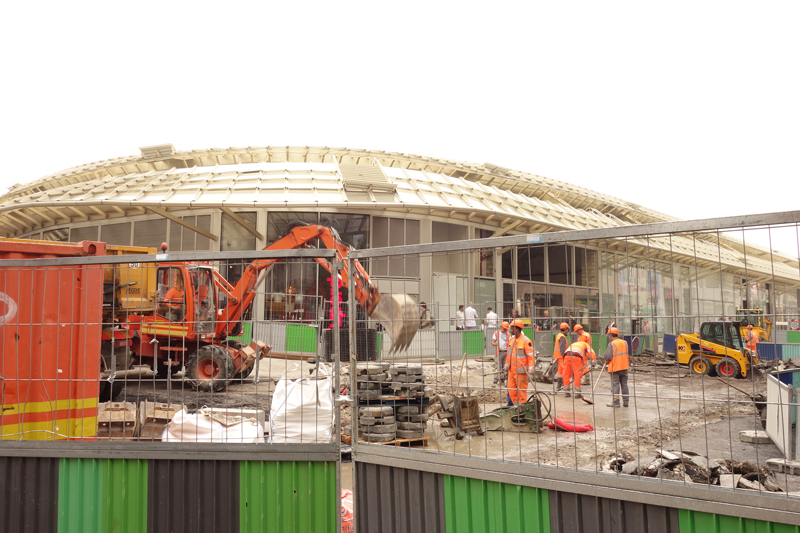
(603, 347)
(378, 343)
(793, 336)
(300, 338)
(288, 496)
(102, 495)
(697, 522)
(247, 336)
(790, 351)
(472, 342)
(80, 495)
(477, 506)
(125, 496)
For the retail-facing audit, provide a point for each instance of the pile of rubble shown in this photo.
(690, 467)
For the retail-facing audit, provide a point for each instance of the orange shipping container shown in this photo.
(50, 321)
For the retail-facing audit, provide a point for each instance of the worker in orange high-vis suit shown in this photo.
(520, 360)
(559, 347)
(752, 339)
(583, 336)
(618, 363)
(575, 358)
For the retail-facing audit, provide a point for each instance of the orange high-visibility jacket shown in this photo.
(618, 352)
(559, 346)
(513, 345)
(585, 337)
(582, 350)
(752, 339)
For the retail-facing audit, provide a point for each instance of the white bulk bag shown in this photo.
(193, 428)
(302, 410)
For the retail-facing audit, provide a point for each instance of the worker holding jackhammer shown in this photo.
(575, 358)
(559, 347)
(520, 360)
(500, 340)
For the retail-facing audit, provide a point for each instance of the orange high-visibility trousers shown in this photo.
(560, 366)
(517, 385)
(573, 368)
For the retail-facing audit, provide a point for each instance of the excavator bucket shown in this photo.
(398, 315)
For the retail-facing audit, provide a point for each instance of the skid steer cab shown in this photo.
(184, 330)
(716, 350)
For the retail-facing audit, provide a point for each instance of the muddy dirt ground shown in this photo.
(669, 409)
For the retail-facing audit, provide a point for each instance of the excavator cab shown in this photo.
(204, 293)
(171, 302)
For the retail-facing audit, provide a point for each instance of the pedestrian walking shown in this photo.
(470, 317)
(425, 318)
(500, 340)
(460, 318)
(491, 319)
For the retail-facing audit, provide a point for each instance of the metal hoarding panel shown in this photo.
(767, 352)
(29, 492)
(272, 334)
(790, 351)
(125, 495)
(697, 522)
(591, 514)
(398, 500)
(196, 496)
(476, 506)
(450, 344)
(670, 343)
(288, 496)
(80, 495)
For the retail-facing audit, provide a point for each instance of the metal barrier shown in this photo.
(669, 456)
(133, 398)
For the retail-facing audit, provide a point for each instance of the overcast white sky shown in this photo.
(690, 108)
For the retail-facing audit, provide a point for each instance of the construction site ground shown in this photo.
(669, 409)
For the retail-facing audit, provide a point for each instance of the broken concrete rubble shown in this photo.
(691, 467)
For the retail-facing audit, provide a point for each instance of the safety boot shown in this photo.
(578, 395)
(625, 404)
(614, 402)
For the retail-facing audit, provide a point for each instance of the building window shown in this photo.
(183, 239)
(558, 261)
(236, 239)
(395, 232)
(150, 233)
(530, 264)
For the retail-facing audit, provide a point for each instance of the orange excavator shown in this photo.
(198, 311)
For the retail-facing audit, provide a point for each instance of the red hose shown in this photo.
(567, 426)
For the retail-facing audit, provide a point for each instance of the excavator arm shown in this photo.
(397, 314)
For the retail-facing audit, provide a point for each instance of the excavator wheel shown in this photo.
(728, 368)
(209, 369)
(700, 365)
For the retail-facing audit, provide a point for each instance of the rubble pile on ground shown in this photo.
(690, 467)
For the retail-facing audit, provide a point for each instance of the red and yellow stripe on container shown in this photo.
(50, 331)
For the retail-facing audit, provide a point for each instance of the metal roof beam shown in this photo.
(242, 222)
(164, 213)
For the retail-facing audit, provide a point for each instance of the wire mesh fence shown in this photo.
(664, 351)
(128, 349)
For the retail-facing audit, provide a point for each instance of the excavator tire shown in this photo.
(728, 368)
(209, 369)
(700, 365)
